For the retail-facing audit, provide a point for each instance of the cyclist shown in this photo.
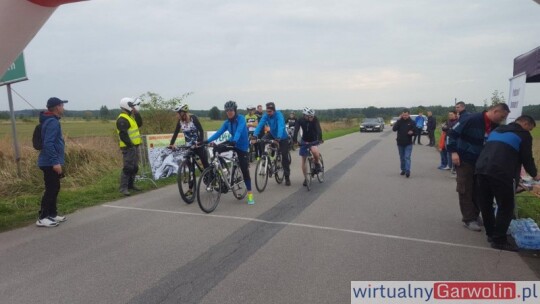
(291, 122)
(311, 133)
(235, 124)
(277, 133)
(252, 120)
(193, 133)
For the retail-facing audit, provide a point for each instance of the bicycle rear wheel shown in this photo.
(261, 173)
(238, 186)
(320, 174)
(278, 169)
(209, 190)
(309, 176)
(186, 182)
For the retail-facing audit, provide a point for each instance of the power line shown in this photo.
(23, 99)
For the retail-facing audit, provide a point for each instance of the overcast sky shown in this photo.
(317, 53)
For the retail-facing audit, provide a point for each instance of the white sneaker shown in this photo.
(447, 168)
(59, 218)
(46, 222)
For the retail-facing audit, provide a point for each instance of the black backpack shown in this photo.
(37, 138)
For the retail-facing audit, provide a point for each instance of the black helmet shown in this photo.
(230, 105)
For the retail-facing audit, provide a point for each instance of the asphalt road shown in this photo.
(364, 223)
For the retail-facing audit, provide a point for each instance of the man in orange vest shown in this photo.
(127, 126)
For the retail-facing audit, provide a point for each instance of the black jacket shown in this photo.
(431, 123)
(403, 126)
(506, 149)
(311, 130)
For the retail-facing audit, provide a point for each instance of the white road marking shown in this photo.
(249, 219)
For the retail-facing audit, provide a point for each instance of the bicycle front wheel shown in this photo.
(261, 173)
(186, 182)
(209, 190)
(278, 167)
(320, 174)
(238, 186)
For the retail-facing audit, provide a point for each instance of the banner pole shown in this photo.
(14, 131)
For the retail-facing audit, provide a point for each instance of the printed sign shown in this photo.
(163, 161)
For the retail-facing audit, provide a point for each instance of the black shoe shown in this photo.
(287, 181)
(402, 173)
(304, 184)
(504, 246)
(420, 144)
(408, 174)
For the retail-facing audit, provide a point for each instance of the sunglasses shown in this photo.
(269, 111)
(229, 110)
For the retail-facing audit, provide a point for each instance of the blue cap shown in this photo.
(54, 101)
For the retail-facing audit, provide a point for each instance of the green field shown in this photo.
(82, 128)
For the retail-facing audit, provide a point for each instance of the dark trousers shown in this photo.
(465, 189)
(487, 188)
(52, 188)
(431, 135)
(130, 157)
(417, 134)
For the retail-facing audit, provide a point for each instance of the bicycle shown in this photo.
(218, 179)
(186, 175)
(311, 163)
(290, 133)
(270, 164)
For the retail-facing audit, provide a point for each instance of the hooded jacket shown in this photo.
(237, 127)
(506, 149)
(276, 123)
(53, 142)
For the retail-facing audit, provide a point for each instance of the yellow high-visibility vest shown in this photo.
(133, 131)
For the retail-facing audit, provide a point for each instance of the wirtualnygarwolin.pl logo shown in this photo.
(448, 292)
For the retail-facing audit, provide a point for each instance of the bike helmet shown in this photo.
(127, 103)
(230, 105)
(250, 107)
(309, 112)
(183, 107)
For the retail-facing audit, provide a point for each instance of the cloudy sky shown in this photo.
(318, 53)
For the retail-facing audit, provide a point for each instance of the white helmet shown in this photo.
(127, 103)
(182, 107)
(307, 111)
(250, 107)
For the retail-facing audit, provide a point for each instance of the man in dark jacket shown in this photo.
(461, 110)
(431, 126)
(465, 142)
(50, 161)
(127, 126)
(405, 128)
(507, 148)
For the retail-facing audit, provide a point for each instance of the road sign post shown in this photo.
(15, 73)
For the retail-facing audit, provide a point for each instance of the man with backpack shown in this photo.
(50, 161)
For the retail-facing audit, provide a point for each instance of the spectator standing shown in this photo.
(419, 121)
(446, 127)
(405, 128)
(431, 125)
(461, 110)
(507, 149)
(50, 161)
(127, 126)
(465, 142)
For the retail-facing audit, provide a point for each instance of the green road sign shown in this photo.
(15, 73)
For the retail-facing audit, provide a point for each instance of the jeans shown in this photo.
(444, 159)
(405, 157)
(52, 188)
